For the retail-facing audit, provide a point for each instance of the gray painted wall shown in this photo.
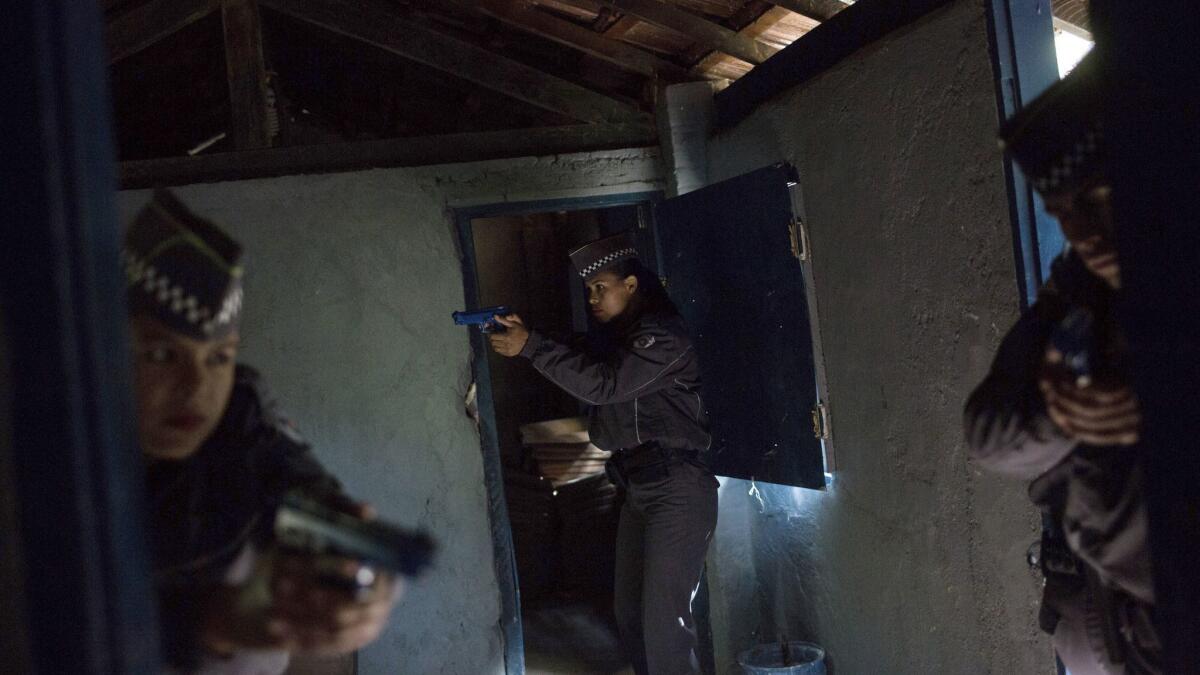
(350, 282)
(914, 561)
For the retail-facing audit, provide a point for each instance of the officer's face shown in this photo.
(183, 386)
(1087, 222)
(609, 295)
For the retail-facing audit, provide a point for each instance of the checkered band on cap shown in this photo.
(595, 256)
(159, 286)
(1079, 162)
(610, 259)
(1058, 139)
(182, 270)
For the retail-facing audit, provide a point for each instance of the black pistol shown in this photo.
(305, 525)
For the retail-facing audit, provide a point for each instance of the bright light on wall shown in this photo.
(1070, 49)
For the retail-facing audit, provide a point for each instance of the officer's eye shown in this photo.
(221, 358)
(158, 354)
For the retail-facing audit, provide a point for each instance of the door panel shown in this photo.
(728, 259)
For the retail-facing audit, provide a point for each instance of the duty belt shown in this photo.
(646, 463)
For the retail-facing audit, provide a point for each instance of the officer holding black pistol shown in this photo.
(1057, 406)
(219, 458)
(641, 378)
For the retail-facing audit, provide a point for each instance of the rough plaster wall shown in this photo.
(913, 562)
(350, 282)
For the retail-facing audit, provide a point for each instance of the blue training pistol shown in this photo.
(484, 318)
(1074, 338)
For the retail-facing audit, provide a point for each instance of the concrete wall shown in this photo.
(913, 562)
(350, 282)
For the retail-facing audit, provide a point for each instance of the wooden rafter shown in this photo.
(719, 66)
(821, 10)
(375, 22)
(426, 151)
(707, 33)
(572, 35)
(702, 30)
(621, 27)
(247, 74)
(769, 19)
(146, 24)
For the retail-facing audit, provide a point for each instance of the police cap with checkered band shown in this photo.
(597, 256)
(182, 270)
(1058, 139)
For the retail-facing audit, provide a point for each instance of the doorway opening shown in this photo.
(559, 509)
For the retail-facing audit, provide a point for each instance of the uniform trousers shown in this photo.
(665, 526)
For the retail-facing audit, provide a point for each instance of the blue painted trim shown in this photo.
(89, 605)
(1021, 41)
(493, 472)
(819, 50)
(503, 552)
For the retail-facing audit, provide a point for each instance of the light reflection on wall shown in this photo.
(776, 500)
(766, 560)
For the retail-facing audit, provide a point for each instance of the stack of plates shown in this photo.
(562, 450)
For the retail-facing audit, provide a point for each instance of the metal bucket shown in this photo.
(803, 658)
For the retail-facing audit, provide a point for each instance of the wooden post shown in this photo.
(247, 74)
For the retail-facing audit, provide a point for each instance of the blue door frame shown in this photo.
(493, 474)
(1021, 41)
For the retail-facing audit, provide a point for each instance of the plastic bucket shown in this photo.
(804, 658)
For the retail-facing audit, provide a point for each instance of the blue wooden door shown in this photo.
(731, 264)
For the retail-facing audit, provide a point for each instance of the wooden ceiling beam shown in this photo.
(396, 152)
(621, 26)
(532, 20)
(769, 19)
(715, 65)
(712, 35)
(821, 10)
(146, 24)
(375, 22)
(247, 74)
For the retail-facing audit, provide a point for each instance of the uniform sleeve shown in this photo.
(1007, 428)
(646, 362)
(284, 460)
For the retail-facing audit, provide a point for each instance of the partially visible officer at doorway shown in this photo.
(1057, 406)
(218, 457)
(641, 378)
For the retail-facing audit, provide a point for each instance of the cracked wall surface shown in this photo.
(913, 562)
(350, 282)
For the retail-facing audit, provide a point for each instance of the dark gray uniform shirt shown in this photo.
(205, 509)
(643, 383)
(1095, 493)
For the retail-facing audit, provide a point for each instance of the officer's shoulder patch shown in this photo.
(644, 342)
(285, 426)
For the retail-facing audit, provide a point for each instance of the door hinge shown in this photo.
(820, 421)
(798, 237)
